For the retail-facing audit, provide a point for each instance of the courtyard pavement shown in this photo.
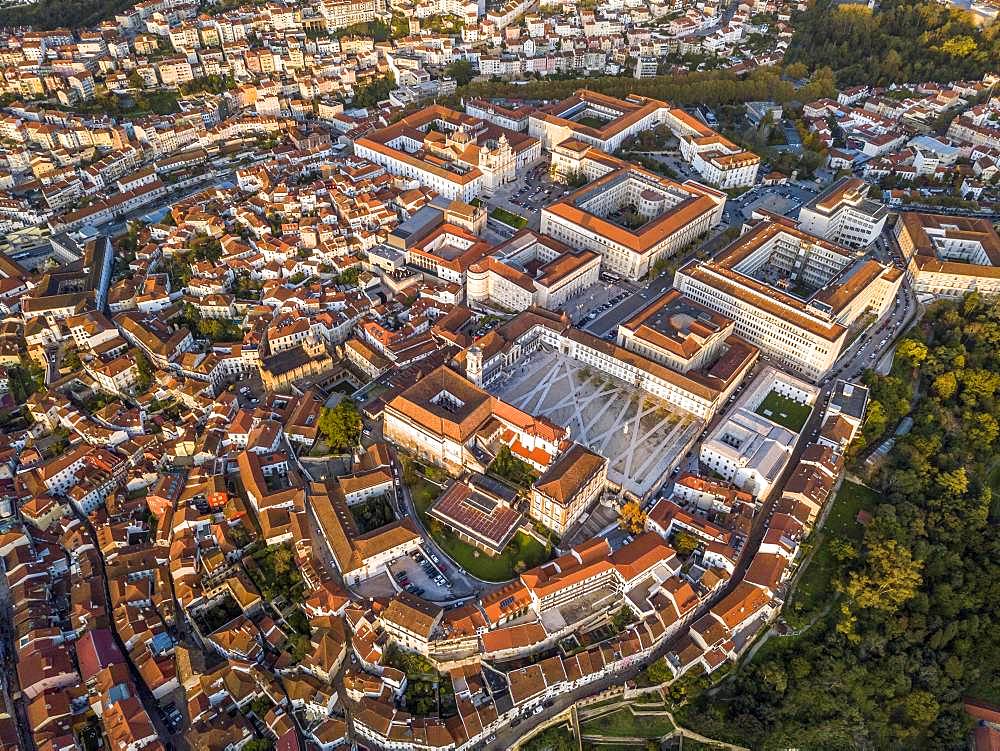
(642, 437)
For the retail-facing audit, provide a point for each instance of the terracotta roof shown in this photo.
(569, 473)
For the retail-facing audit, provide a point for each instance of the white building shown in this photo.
(531, 269)
(629, 215)
(620, 119)
(844, 214)
(717, 159)
(792, 294)
(950, 256)
(749, 448)
(456, 155)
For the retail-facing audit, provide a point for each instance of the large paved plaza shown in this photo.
(642, 438)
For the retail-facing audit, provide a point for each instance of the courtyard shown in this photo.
(642, 438)
(784, 411)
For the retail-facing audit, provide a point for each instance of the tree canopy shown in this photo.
(341, 424)
(904, 40)
(916, 628)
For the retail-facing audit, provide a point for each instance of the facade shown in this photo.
(792, 294)
(569, 487)
(630, 216)
(444, 418)
(531, 269)
(456, 155)
(844, 214)
(950, 256)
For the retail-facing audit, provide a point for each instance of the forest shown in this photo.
(52, 14)
(912, 627)
(903, 40)
(709, 87)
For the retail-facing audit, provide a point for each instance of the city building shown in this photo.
(794, 295)
(950, 256)
(844, 214)
(570, 485)
(480, 511)
(457, 155)
(717, 159)
(631, 216)
(529, 270)
(596, 119)
(447, 419)
(700, 393)
(752, 445)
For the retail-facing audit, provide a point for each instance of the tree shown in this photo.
(632, 518)
(912, 351)
(796, 70)
(659, 672)
(890, 578)
(945, 386)
(145, 369)
(462, 71)
(685, 543)
(71, 360)
(341, 425)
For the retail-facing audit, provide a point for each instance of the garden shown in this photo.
(373, 513)
(784, 411)
(522, 553)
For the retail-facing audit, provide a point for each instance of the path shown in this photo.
(678, 730)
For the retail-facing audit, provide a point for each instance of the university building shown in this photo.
(794, 295)
(456, 155)
(950, 256)
(844, 214)
(629, 215)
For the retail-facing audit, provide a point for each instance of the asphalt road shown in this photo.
(630, 305)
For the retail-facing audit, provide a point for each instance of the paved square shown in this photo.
(642, 437)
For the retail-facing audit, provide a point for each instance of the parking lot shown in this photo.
(417, 574)
(249, 389)
(529, 194)
(595, 301)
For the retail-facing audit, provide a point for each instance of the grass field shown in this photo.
(623, 724)
(591, 122)
(514, 220)
(813, 590)
(784, 411)
(522, 548)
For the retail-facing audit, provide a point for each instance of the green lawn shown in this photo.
(514, 220)
(591, 122)
(784, 411)
(557, 738)
(502, 568)
(622, 723)
(813, 590)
